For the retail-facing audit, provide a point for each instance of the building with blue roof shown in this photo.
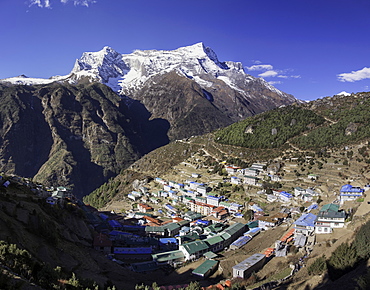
(241, 241)
(285, 196)
(305, 224)
(213, 200)
(349, 192)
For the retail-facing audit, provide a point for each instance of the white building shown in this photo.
(329, 218)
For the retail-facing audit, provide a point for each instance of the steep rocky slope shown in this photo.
(65, 135)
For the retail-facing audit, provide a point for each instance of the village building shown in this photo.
(235, 180)
(170, 257)
(250, 180)
(253, 206)
(312, 192)
(306, 197)
(251, 172)
(213, 200)
(194, 250)
(191, 216)
(170, 208)
(205, 269)
(252, 264)
(133, 197)
(299, 191)
(259, 166)
(166, 230)
(233, 232)
(305, 224)
(239, 242)
(214, 229)
(267, 222)
(202, 208)
(133, 253)
(271, 198)
(285, 196)
(349, 192)
(172, 183)
(202, 190)
(194, 185)
(178, 185)
(220, 212)
(329, 218)
(231, 169)
(275, 177)
(215, 243)
(195, 175)
(252, 232)
(160, 180)
(144, 207)
(167, 187)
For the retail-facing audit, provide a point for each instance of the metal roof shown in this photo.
(249, 262)
(194, 247)
(306, 220)
(205, 267)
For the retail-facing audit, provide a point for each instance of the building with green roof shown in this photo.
(235, 231)
(170, 257)
(329, 218)
(206, 268)
(194, 250)
(215, 243)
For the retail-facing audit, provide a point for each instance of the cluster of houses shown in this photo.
(204, 230)
(249, 176)
(194, 195)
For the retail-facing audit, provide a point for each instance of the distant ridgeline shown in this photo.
(327, 122)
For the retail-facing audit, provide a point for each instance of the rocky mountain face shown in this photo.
(66, 135)
(189, 87)
(83, 128)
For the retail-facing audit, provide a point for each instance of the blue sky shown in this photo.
(308, 48)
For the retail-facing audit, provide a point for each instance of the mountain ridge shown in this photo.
(123, 72)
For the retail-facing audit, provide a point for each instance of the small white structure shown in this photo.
(235, 180)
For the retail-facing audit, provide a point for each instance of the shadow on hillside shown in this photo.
(347, 281)
(149, 134)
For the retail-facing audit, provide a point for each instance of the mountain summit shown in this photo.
(126, 73)
(189, 87)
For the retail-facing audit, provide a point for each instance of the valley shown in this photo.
(191, 173)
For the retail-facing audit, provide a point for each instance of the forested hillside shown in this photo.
(328, 122)
(270, 129)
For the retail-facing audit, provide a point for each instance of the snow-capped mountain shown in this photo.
(343, 93)
(189, 90)
(126, 73)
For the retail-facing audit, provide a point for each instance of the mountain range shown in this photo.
(83, 128)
